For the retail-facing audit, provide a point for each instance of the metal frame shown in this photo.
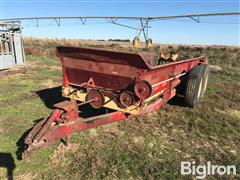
(142, 28)
(12, 52)
(67, 117)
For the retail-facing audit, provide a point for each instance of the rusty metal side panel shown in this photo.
(76, 71)
(116, 70)
(77, 77)
(102, 55)
(167, 71)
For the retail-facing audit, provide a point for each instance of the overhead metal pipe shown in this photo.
(122, 17)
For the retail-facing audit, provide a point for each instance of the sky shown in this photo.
(180, 31)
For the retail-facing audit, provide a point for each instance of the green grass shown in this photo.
(146, 147)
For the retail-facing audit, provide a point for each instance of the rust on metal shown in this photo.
(125, 83)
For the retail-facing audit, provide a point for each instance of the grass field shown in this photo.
(146, 147)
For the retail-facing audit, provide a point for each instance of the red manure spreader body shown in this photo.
(105, 86)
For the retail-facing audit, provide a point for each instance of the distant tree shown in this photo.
(119, 40)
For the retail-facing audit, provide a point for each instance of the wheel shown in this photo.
(97, 97)
(194, 86)
(126, 99)
(205, 72)
(142, 89)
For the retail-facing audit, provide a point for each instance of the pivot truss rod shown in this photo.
(142, 27)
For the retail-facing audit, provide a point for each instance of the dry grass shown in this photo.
(218, 55)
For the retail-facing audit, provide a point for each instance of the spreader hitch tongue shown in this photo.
(64, 121)
(38, 136)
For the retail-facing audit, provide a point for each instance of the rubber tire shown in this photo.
(205, 72)
(193, 86)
